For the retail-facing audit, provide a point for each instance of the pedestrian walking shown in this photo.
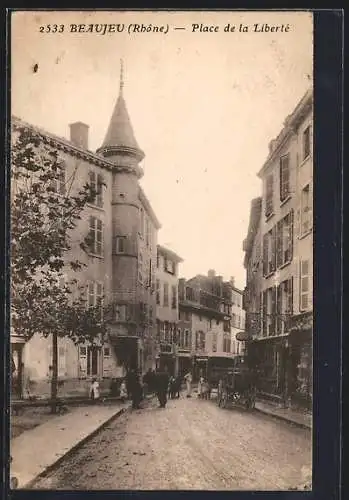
(147, 381)
(162, 380)
(135, 388)
(201, 386)
(94, 390)
(188, 380)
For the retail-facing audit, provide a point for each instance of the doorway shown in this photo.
(17, 371)
(93, 361)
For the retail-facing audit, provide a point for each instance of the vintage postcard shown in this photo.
(161, 250)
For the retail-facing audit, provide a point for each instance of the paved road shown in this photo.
(191, 444)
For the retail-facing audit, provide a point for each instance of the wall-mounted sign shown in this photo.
(243, 336)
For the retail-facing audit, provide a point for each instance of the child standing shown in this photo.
(123, 391)
(94, 390)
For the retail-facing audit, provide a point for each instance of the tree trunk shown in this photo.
(54, 379)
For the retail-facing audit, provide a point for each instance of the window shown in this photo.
(284, 305)
(106, 352)
(217, 321)
(306, 143)
(158, 260)
(284, 240)
(165, 295)
(158, 292)
(174, 297)
(269, 311)
(95, 237)
(284, 177)
(269, 193)
(304, 285)
(214, 342)
(96, 184)
(187, 316)
(186, 339)
(140, 268)
(226, 326)
(306, 211)
(120, 312)
(58, 184)
(95, 295)
(226, 344)
(120, 244)
(200, 340)
(269, 253)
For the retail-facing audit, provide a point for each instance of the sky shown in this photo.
(204, 107)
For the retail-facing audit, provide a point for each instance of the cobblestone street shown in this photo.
(191, 444)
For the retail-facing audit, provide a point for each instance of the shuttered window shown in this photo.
(96, 184)
(269, 193)
(304, 285)
(284, 177)
(306, 210)
(95, 237)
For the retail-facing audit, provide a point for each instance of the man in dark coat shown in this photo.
(135, 388)
(161, 386)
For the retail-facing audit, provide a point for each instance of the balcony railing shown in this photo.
(267, 325)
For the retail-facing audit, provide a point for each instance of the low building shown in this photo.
(167, 309)
(237, 320)
(204, 327)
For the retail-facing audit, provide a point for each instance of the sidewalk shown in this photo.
(38, 449)
(302, 419)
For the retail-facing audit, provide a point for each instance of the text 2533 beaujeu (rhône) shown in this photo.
(103, 29)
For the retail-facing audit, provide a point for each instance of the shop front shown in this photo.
(269, 357)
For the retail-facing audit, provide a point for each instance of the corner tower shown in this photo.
(121, 148)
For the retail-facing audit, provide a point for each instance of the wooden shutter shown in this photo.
(291, 235)
(273, 249)
(279, 243)
(264, 311)
(279, 311)
(82, 355)
(265, 254)
(273, 311)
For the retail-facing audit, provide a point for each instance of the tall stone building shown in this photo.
(120, 228)
(167, 309)
(279, 260)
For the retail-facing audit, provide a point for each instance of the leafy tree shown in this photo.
(44, 212)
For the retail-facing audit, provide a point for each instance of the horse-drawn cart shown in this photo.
(236, 388)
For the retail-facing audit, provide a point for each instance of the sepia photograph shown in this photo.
(161, 273)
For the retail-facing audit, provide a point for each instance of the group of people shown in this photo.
(160, 382)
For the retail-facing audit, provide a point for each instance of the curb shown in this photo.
(72, 450)
(284, 419)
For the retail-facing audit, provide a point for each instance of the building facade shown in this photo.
(167, 315)
(119, 231)
(237, 320)
(278, 260)
(204, 329)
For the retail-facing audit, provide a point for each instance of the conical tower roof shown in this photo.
(120, 135)
(120, 131)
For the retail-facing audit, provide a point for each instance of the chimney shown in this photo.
(79, 134)
(211, 273)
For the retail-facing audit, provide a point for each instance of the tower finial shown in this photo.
(121, 75)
